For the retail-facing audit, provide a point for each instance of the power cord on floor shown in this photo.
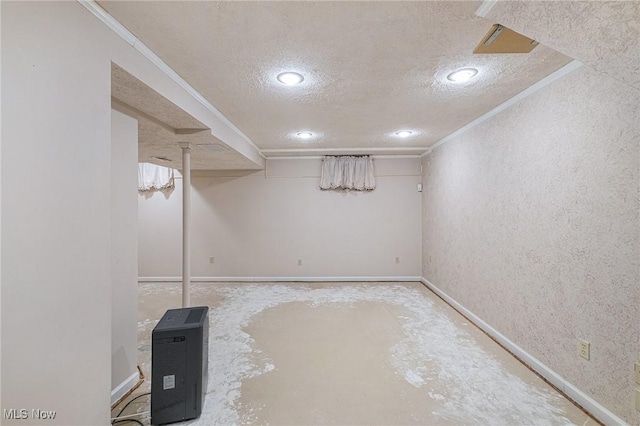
(128, 420)
(128, 416)
(117, 418)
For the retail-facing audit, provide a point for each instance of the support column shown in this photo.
(186, 223)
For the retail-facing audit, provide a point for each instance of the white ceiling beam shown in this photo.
(137, 44)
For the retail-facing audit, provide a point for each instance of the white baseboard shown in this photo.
(588, 403)
(281, 279)
(124, 387)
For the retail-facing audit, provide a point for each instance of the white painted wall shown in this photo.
(531, 223)
(1, 116)
(259, 226)
(56, 212)
(124, 250)
(56, 292)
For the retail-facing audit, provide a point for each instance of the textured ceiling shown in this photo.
(371, 68)
(162, 126)
(602, 34)
(156, 141)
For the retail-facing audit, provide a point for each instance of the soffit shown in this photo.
(162, 126)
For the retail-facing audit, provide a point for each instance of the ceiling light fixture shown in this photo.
(290, 78)
(404, 133)
(462, 75)
(304, 135)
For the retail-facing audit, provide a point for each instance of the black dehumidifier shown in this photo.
(179, 358)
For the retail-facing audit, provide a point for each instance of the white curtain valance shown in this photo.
(152, 177)
(347, 172)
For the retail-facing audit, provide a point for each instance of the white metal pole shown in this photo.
(186, 222)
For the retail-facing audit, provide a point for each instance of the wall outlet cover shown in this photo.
(584, 349)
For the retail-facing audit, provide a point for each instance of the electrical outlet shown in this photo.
(584, 349)
(636, 368)
(212, 259)
(397, 260)
(299, 262)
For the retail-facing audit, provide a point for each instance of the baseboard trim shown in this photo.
(282, 279)
(578, 396)
(125, 387)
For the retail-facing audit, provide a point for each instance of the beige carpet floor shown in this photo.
(350, 354)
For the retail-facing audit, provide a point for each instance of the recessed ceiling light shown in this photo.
(462, 75)
(290, 78)
(304, 135)
(404, 133)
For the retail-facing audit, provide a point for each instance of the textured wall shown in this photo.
(260, 227)
(530, 220)
(602, 34)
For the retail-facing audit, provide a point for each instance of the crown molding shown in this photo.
(291, 152)
(557, 75)
(485, 7)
